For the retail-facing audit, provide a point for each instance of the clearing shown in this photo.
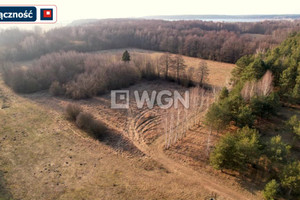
(44, 156)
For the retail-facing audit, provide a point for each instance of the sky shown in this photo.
(69, 10)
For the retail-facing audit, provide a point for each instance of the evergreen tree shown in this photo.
(271, 190)
(236, 151)
(290, 178)
(126, 56)
(224, 93)
(277, 150)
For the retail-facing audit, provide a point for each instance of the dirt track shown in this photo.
(126, 123)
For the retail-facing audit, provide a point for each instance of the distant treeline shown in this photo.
(218, 41)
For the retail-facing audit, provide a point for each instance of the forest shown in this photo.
(262, 83)
(219, 41)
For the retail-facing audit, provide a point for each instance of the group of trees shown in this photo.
(175, 69)
(244, 149)
(83, 75)
(177, 121)
(76, 75)
(209, 40)
(260, 84)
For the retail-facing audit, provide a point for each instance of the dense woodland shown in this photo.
(261, 84)
(218, 41)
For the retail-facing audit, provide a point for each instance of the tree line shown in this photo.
(84, 75)
(218, 41)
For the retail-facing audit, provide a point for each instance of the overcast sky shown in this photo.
(69, 10)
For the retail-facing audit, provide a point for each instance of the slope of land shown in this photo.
(44, 156)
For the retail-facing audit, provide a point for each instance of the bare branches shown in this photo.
(202, 73)
(176, 122)
(263, 87)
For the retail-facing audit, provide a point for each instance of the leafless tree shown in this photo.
(179, 65)
(202, 73)
(262, 87)
(176, 122)
(266, 84)
(166, 62)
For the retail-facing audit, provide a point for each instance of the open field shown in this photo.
(44, 156)
(219, 72)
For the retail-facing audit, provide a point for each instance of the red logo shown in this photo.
(47, 13)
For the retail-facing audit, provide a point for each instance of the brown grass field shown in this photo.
(44, 156)
(219, 72)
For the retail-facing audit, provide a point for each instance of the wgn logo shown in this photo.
(163, 99)
(28, 14)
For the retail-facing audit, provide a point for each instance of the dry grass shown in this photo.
(219, 72)
(44, 156)
(149, 131)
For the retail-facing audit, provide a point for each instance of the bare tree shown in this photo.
(166, 62)
(176, 122)
(202, 73)
(179, 65)
(262, 87)
(266, 83)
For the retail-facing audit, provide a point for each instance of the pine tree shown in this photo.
(290, 177)
(236, 151)
(224, 93)
(271, 190)
(277, 150)
(126, 56)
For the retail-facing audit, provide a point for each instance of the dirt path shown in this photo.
(156, 152)
(126, 124)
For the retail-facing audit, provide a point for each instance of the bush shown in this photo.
(271, 190)
(88, 123)
(83, 119)
(56, 89)
(72, 111)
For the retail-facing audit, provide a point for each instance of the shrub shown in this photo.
(94, 127)
(83, 119)
(98, 129)
(72, 111)
(271, 190)
(56, 89)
